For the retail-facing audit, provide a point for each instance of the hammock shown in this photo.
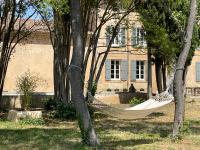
(135, 112)
(141, 110)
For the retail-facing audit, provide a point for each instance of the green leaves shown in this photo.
(164, 22)
(60, 6)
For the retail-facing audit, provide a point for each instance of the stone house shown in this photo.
(126, 64)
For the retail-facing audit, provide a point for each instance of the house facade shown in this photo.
(125, 65)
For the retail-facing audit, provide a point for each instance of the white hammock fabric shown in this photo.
(135, 112)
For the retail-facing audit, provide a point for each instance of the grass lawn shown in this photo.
(150, 133)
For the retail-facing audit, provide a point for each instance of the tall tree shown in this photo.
(57, 18)
(14, 17)
(179, 74)
(85, 123)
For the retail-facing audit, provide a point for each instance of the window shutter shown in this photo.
(122, 37)
(108, 69)
(124, 70)
(146, 70)
(108, 34)
(197, 71)
(133, 70)
(134, 37)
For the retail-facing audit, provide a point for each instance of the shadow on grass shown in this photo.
(156, 114)
(136, 127)
(195, 130)
(39, 138)
(112, 145)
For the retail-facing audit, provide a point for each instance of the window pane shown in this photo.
(137, 76)
(137, 71)
(117, 66)
(112, 71)
(142, 63)
(142, 71)
(142, 76)
(112, 76)
(117, 76)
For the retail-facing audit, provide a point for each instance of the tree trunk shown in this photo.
(85, 123)
(3, 70)
(164, 69)
(158, 68)
(149, 84)
(179, 76)
(61, 55)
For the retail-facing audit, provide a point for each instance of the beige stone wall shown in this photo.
(191, 74)
(36, 55)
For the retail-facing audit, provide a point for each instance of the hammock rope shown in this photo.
(135, 112)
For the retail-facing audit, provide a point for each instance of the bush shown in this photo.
(26, 85)
(116, 90)
(109, 90)
(50, 103)
(63, 111)
(125, 90)
(136, 100)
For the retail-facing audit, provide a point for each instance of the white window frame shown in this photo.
(139, 68)
(117, 40)
(140, 37)
(115, 69)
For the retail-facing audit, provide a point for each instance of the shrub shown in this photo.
(50, 103)
(62, 111)
(116, 90)
(109, 90)
(136, 100)
(125, 90)
(26, 85)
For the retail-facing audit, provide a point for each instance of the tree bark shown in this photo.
(164, 69)
(149, 84)
(158, 69)
(85, 123)
(179, 74)
(61, 45)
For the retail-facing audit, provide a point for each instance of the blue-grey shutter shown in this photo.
(134, 37)
(146, 70)
(108, 69)
(108, 35)
(124, 70)
(197, 71)
(133, 70)
(122, 37)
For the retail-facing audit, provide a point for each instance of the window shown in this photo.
(140, 70)
(115, 69)
(119, 39)
(115, 42)
(138, 37)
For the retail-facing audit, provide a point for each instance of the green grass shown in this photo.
(150, 133)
